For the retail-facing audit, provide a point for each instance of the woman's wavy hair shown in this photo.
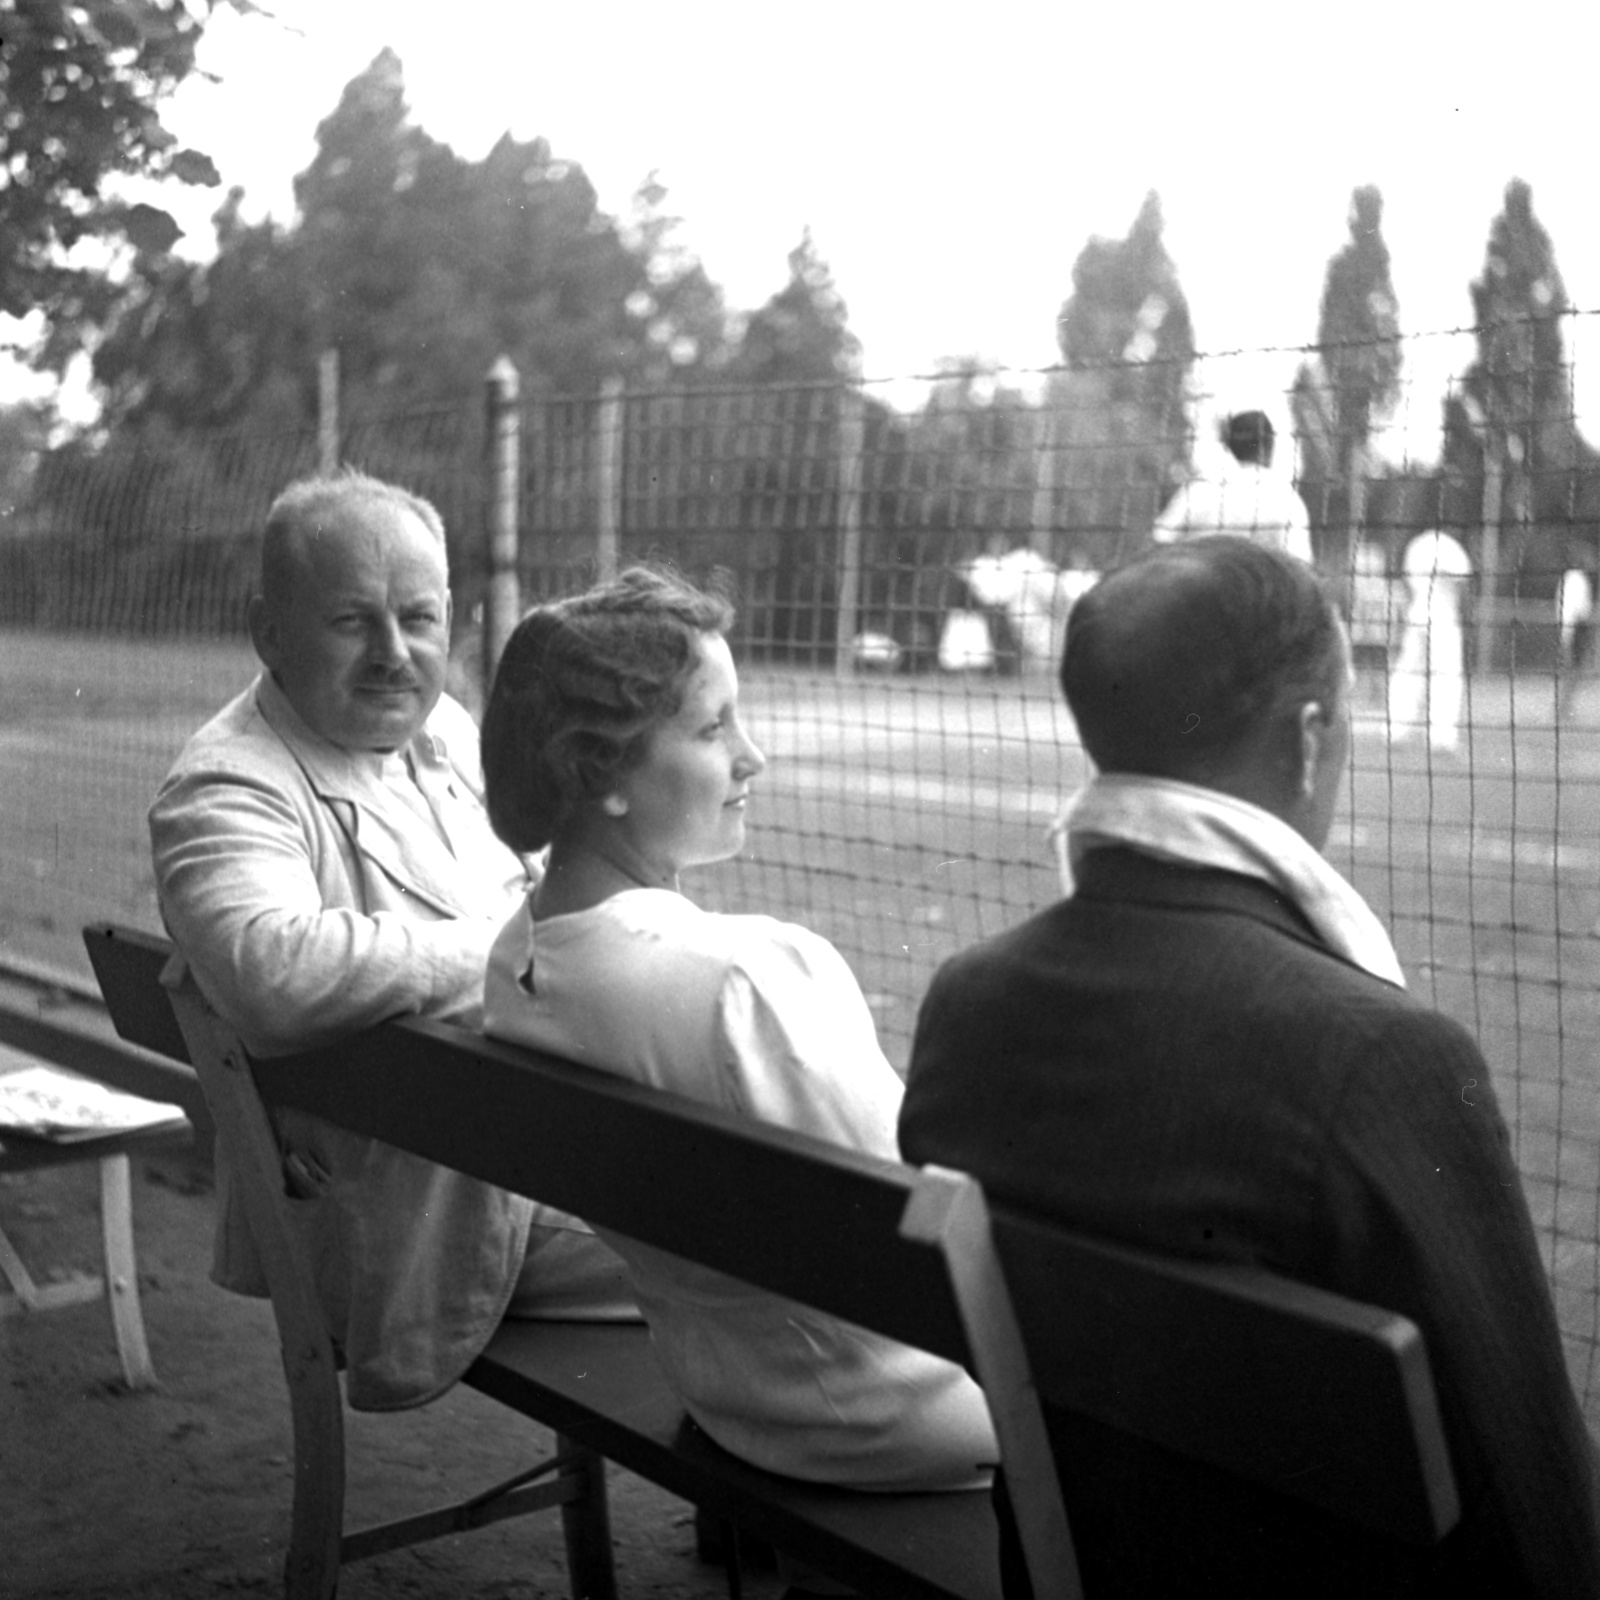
(581, 684)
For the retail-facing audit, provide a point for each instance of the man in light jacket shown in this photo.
(323, 863)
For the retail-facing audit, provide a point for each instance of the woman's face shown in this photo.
(686, 798)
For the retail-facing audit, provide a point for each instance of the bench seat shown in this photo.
(599, 1385)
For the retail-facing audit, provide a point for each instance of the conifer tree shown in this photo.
(1116, 424)
(1352, 382)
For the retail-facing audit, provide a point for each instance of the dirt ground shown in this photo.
(183, 1494)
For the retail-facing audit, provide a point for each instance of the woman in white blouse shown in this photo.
(612, 736)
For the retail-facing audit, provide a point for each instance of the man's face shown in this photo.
(360, 639)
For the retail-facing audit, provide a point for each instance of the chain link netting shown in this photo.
(903, 574)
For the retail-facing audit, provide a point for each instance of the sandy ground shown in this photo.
(184, 1493)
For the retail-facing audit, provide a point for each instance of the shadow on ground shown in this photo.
(183, 1494)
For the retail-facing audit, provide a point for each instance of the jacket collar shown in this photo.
(377, 824)
(1113, 873)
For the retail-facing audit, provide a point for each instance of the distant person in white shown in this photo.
(1426, 686)
(1574, 611)
(1574, 606)
(1247, 498)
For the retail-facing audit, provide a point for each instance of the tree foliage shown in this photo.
(1351, 383)
(1358, 331)
(802, 334)
(1510, 436)
(80, 90)
(419, 268)
(1117, 426)
(1519, 379)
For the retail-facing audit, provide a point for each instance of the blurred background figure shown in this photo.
(1575, 614)
(1426, 686)
(1246, 497)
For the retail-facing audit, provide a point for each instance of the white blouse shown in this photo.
(765, 1019)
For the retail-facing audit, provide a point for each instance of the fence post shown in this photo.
(608, 479)
(503, 596)
(328, 410)
(1043, 533)
(851, 445)
(1489, 555)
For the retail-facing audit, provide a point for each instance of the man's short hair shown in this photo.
(1249, 436)
(1177, 662)
(310, 504)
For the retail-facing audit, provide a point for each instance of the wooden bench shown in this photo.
(1221, 1384)
(781, 1211)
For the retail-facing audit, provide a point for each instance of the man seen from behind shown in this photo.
(1207, 1049)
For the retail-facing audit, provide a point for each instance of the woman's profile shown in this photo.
(612, 735)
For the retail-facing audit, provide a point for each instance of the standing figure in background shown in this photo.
(1575, 613)
(1429, 678)
(1247, 499)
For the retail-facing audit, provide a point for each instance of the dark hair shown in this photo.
(303, 508)
(580, 685)
(1249, 436)
(1177, 662)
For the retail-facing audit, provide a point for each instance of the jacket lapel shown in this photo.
(415, 859)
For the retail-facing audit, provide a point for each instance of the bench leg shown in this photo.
(311, 1567)
(122, 1273)
(586, 1522)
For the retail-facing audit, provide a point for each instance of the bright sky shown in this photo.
(951, 159)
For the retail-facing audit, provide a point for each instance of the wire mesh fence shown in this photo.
(903, 564)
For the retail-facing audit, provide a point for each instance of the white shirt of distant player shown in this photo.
(1435, 567)
(1253, 502)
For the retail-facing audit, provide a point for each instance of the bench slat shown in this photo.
(600, 1386)
(746, 1198)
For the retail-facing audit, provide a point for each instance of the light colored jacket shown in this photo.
(308, 900)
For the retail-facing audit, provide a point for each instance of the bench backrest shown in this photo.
(777, 1209)
(1115, 1374)
(1314, 1399)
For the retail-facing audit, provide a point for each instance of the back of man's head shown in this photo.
(1179, 664)
(1249, 436)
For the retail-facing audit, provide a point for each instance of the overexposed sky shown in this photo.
(951, 159)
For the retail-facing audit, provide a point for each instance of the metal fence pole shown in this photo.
(328, 410)
(1489, 556)
(1042, 535)
(608, 479)
(851, 446)
(503, 597)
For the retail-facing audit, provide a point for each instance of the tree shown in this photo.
(1354, 379)
(419, 268)
(808, 427)
(1115, 415)
(682, 313)
(80, 90)
(225, 344)
(802, 334)
(1510, 427)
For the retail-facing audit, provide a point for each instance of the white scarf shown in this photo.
(1198, 827)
